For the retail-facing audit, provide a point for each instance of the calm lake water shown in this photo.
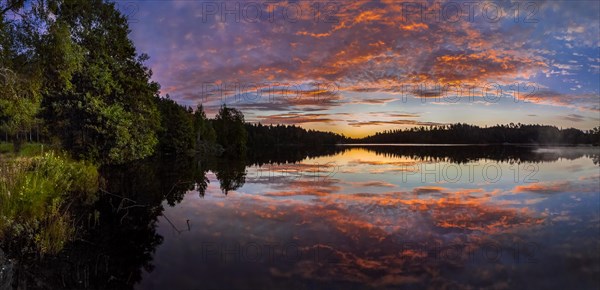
(449, 217)
(375, 217)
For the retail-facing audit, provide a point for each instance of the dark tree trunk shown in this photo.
(17, 143)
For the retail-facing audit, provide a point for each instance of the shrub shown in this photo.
(35, 197)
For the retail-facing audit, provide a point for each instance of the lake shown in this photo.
(350, 217)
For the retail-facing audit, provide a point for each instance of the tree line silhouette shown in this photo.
(498, 134)
(187, 130)
(272, 135)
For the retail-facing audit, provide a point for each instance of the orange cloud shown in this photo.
(554, 187)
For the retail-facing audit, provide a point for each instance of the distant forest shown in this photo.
(260, 135)
(498, 134)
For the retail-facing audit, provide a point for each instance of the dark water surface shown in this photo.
(376, 217)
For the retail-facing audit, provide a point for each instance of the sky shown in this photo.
(358, 67)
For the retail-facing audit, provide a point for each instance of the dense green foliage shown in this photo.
(177, 133)
(99, 98)
(184, 131)
(72, 64)
(499, 134)
(20, 77)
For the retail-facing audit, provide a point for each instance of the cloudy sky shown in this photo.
(366, 66)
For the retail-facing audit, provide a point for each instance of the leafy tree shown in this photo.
(99, 99)
(19, 105)
(231, 133)
(177, 133)
(205, 133)
(19, 75)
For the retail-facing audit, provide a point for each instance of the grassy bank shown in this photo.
(26, 150)
(36, 192)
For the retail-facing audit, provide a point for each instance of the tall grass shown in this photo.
(35, 196)
(27, 149)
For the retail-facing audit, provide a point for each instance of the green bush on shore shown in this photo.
(35, 196)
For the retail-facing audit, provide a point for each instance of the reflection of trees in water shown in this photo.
(463, 154)
(201, 180)
(231, 173)
(120, 233)
(458, 154)
(182, 175)
(118, 236)
(290, 154)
